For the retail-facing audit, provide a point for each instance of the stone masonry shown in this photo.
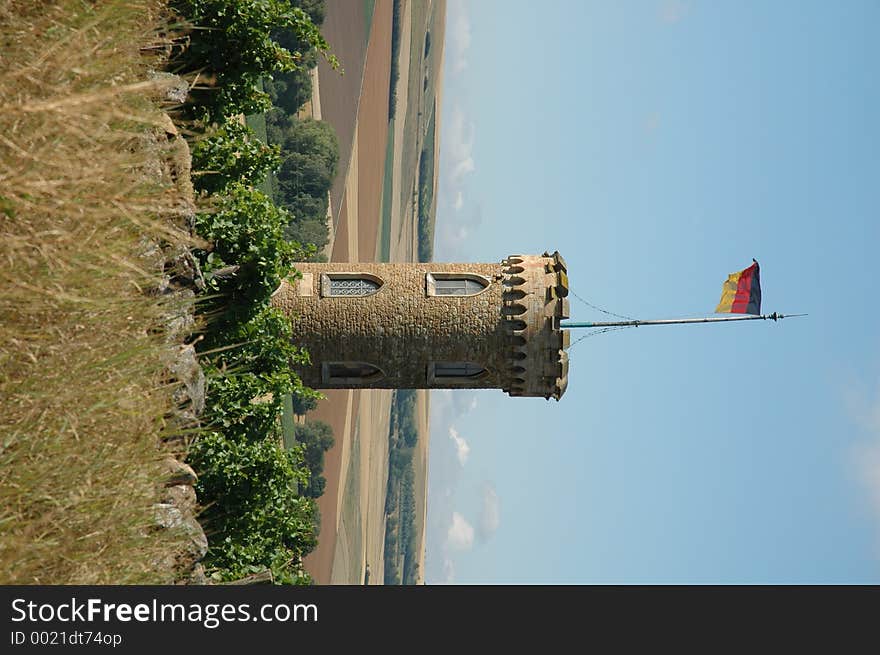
(509, 331)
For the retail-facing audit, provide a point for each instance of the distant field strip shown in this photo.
(426, 195)
(257, 122)
(387, 191)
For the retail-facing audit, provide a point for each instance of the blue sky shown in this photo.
(659, 146)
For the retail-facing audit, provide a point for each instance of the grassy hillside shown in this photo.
(85, 190)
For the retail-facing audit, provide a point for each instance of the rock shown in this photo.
(168, 125)
(185, 270)
(182, 496)
(176, 88)
(151, 252)
(179, 321)
(197, 576)
(171, 518)
(186, 370)
(179, 473)
(225, 273)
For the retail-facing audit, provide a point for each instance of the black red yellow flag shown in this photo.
(741, 293)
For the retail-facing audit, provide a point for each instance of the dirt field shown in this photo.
(397, 214)
(372, 130)
(344, 30)
(337, 411)
(359, 190)
(420, 472)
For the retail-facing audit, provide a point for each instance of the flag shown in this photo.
(741, 293)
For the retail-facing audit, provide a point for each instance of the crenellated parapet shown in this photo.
(533, 304)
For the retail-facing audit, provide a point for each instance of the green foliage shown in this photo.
(426, 195)
(401, 559)
(303, 173)
(245, 400)
(263, 345)
(304, 402)
(395, 55)
(290, 91)
(249, 489)
(303, 207)
(232, 153)
(310, 156)
(316, 438)
(248, 482)
(403, 414)
(316, 139)
(233, 42)
(247, 230)
(255, 514)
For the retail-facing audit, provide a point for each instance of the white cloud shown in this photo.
(868, 457)
(462, 168)
(458, 146)
(490, 512)
(448, 571)
(459, 29)
(455, 222)
(445, 483)
(673, 11)
(462, 449)
(461, 533)
(866, 413)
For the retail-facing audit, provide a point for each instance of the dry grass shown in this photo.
(81, 376)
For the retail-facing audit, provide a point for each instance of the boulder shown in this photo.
(179, 473)
(186, 370)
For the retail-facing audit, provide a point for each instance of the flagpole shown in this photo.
(672, 321)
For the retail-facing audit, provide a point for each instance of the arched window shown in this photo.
(349, 284)
(454, 284)
(350, 372)
(452, 371)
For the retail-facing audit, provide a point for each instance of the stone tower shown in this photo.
(432, 325)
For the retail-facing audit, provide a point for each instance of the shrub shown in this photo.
(254, 515)
(290, 91)
(252, 373)
(233, 43)
(315, 437)
(247, 230)
(232, 153)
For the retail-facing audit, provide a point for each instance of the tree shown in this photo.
(314, 137)
(308, 232)
(303, 403)
(315, 437)
(235, 44)
(290, 91)
(303, 207)
(304, 172)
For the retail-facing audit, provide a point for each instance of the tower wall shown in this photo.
(510, 328)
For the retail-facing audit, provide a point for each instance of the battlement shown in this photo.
(533, 304)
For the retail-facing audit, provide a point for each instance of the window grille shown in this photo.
(356, 286)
